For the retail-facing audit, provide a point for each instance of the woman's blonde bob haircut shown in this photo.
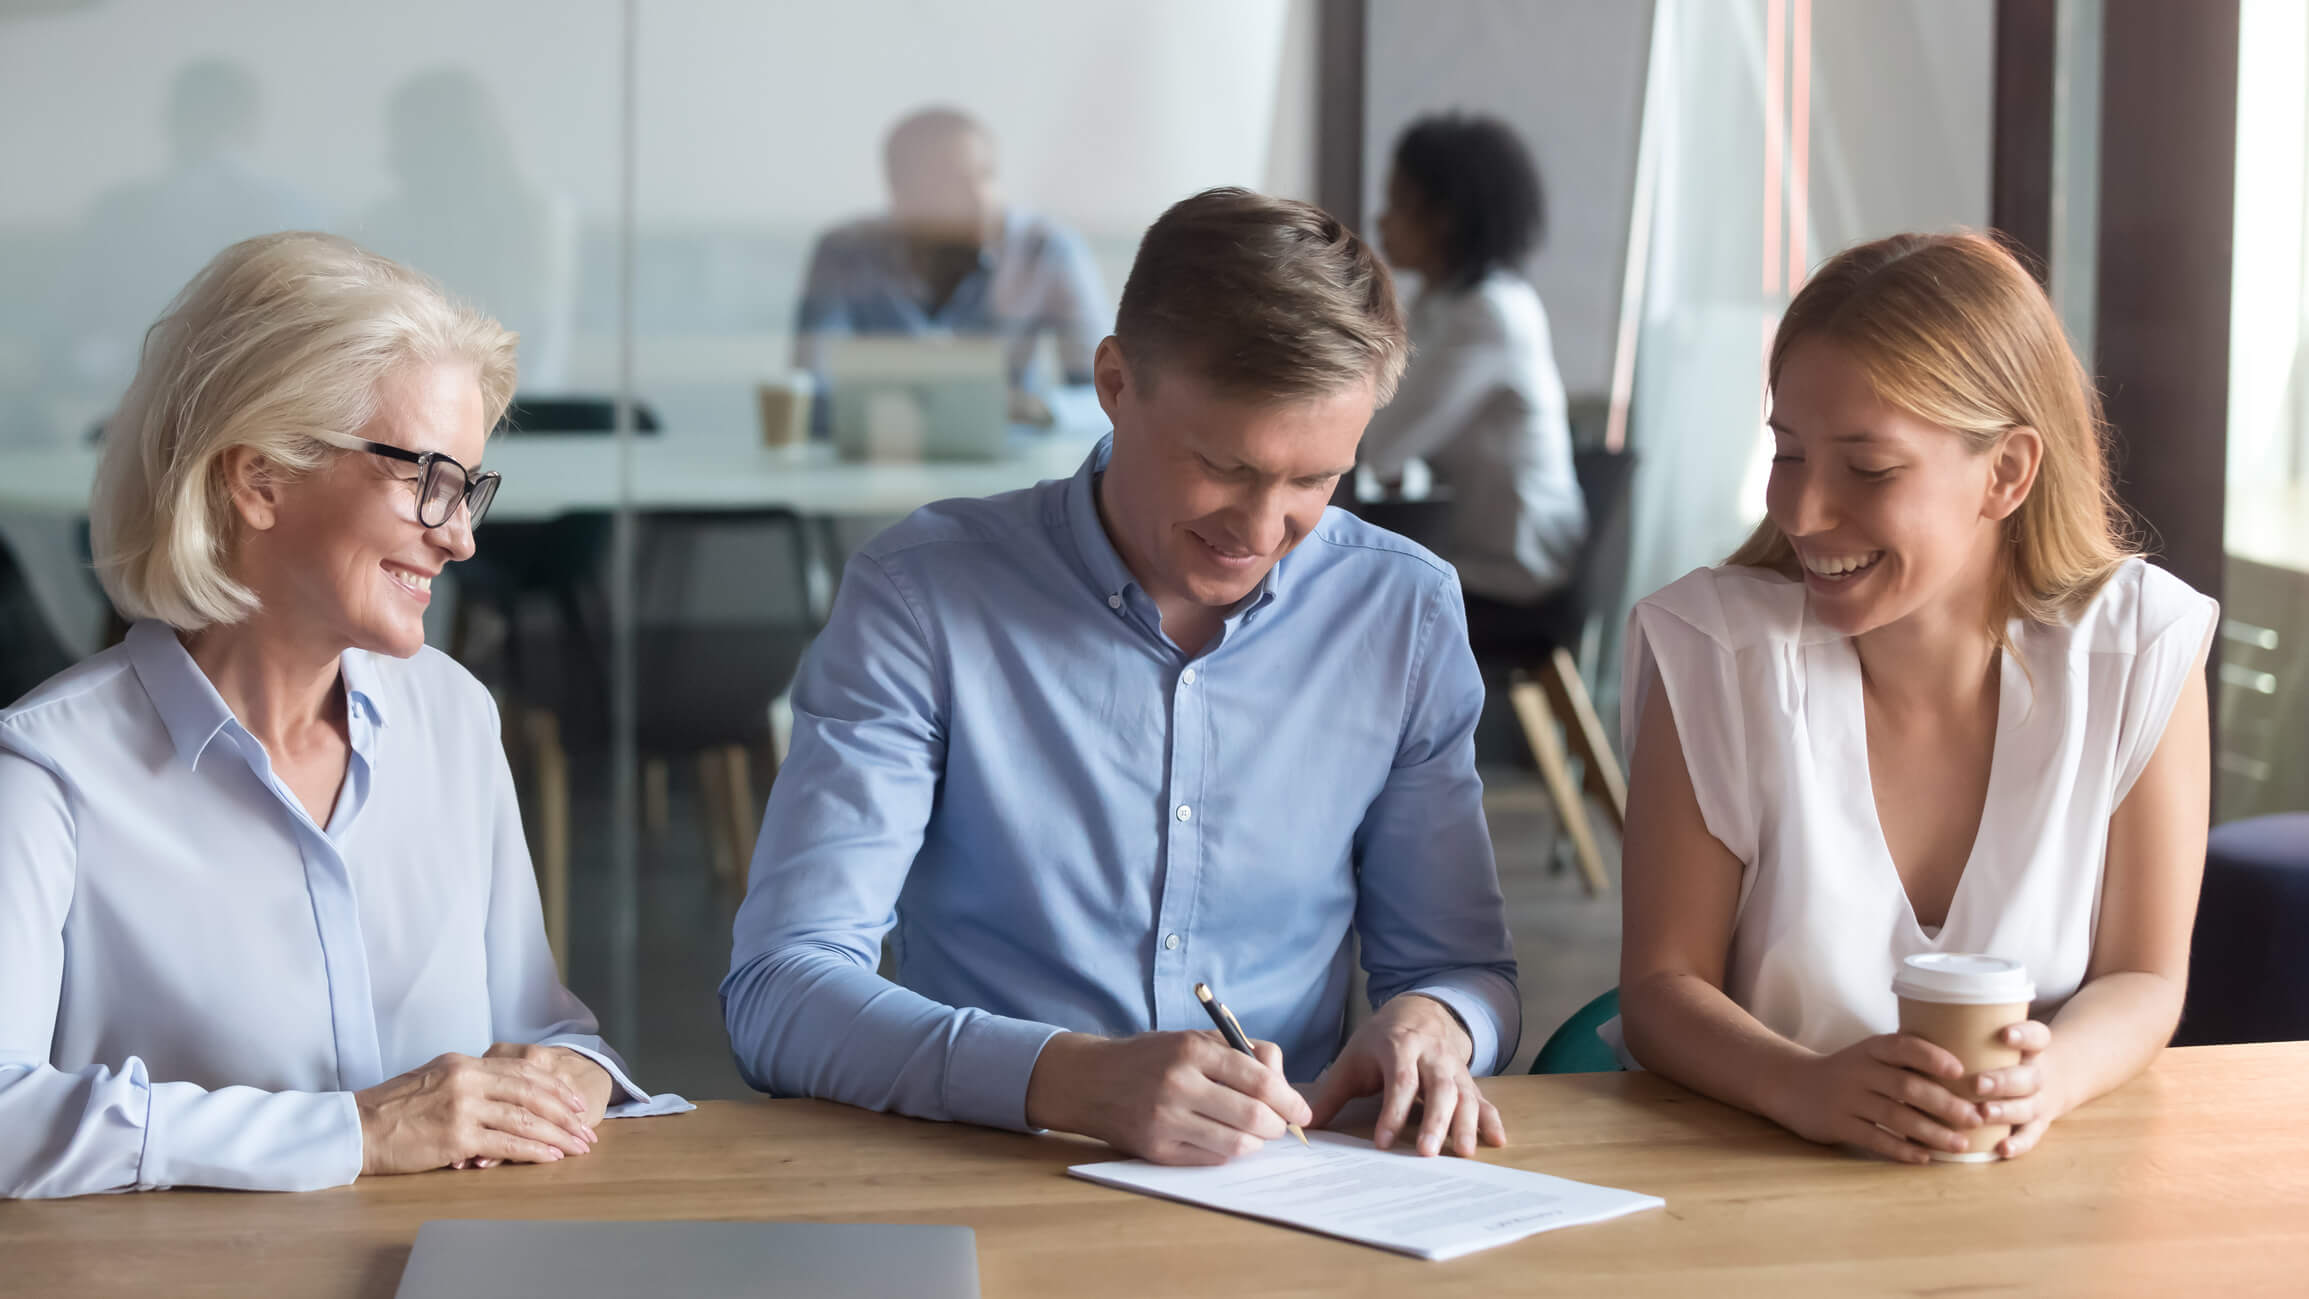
(278, 345)
(1953, 330)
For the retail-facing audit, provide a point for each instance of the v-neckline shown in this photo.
(2010, 682)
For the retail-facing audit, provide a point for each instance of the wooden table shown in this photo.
(2193, 1180)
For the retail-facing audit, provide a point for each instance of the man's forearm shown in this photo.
(810, 1022)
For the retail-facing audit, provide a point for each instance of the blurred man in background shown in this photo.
(951, 257)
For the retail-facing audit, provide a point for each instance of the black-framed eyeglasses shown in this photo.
(443, 484)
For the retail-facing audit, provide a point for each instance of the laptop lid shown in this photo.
(913, 399)
(756, 1260)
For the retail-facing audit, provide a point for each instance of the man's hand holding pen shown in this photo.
(1172, 1098)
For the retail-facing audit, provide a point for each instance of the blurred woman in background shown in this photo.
(1481, 402)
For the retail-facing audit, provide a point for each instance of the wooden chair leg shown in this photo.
(1570, 809)
(550, 762)
(745, 812)
(656, 795)
(713, 812)
(1567, 694)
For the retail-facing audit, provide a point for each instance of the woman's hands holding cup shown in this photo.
(460, 1111)
(1892, 1095)
(2018, 1095)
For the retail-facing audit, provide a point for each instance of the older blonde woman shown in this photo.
(1935, 705)
(266, 916)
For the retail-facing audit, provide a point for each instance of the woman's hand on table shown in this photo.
(584, 1076)
(1892, 1095)
(2021, 1094)
(458, 1111)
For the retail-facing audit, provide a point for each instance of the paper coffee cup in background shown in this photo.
(785, 404)
(1960, 1002)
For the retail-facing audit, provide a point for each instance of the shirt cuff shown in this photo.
(988, 1071)
(1479, 1013)
(635, 1103)
(244, 1139)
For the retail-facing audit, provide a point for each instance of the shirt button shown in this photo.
(1171, 943)
(1186, 813)
(1188, 676)
(1114, 602)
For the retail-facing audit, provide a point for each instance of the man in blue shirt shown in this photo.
(1170, 721)
(951, 257)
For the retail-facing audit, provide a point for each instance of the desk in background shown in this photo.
(44, 493)
(549, 474)
(2192, 1180)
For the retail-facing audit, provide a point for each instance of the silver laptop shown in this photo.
(914, 399)
(612, 1260)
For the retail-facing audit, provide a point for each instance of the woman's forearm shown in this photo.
(1683, 1027)
(2107, 1033)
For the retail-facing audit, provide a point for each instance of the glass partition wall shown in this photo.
(641, 190)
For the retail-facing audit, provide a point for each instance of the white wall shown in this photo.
(749, 110)
(758, 125)
(1106, 113)
(83, 93)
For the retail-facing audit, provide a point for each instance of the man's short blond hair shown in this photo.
(1267, 299)
(278, 345)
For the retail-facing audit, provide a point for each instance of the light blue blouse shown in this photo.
(195, 978)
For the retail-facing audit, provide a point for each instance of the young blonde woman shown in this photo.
(1935, 703)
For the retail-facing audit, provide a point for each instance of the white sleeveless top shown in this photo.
(1768, 705)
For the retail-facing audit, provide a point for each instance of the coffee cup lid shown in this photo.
(1963, 979)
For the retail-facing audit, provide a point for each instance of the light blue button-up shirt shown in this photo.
(195, 978)
(1069, 822)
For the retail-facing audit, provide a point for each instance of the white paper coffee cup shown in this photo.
(1961, 1002)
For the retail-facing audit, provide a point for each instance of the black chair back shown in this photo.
(531, 413)
(1606, 479)
(2248, 972)
(30, 652)
(722, 614)
(563, 558)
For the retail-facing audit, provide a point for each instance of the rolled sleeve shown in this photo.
(1483, 1001)
(1428, 904)
(992, 1062)
(806, 1012)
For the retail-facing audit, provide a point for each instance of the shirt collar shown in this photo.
(181, 693)
(1107, 570)
(364, 692)
(1112, 576)
(191, 709)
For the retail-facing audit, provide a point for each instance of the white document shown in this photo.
(1432, 1208)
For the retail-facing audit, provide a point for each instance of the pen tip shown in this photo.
(1301, 1134)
